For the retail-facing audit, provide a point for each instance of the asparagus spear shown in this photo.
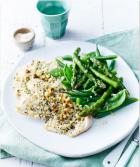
(87, 74)
(95, 106)
(77, 51)
(98, 63)
(79, 64)
(82, 68)
(101, 65)
(82, 80)
(105, 78)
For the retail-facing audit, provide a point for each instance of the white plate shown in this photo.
(104, 133)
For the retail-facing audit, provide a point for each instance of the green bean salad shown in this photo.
(91, 82)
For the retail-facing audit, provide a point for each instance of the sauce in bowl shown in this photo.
(24, 38)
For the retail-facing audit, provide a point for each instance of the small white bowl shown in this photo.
(24, 38)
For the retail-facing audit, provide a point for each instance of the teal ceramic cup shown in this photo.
(54, 17)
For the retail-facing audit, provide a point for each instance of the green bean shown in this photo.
(85, 58)
(78, 93)
(120, 81)
(74, 75)
(106, 57)
(114, 72)
(81, 81)
(121, 85)
(98, 54)
(96, 100)
(87, 83)
(66, 84)
(57, 72)
(60, 63)
(103, 113)
(67, 57)
(75, 55)
(76, 52)
(85, 98)
(82, 102)
(89, 110)
(105, 78)
(112, 65)
(78, 101)
(88, 92)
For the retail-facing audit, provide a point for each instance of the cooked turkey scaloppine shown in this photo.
(42, 96)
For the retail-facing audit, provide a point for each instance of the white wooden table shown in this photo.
(88, 19)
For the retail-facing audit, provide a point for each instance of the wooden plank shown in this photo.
(119, 15)
(10, 162)
(24, 163)
(85, 20)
